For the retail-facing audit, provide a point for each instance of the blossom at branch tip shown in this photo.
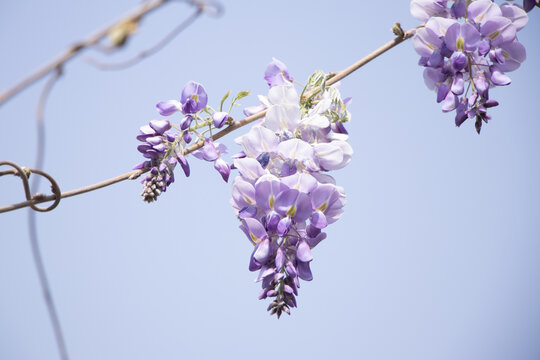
(220, 118)
(276, 73)
(193, 98)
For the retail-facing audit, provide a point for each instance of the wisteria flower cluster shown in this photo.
(165, 149)
(467, 47)
(282, 194)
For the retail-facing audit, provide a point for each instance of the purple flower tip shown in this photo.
(169, 107)
(193, 98)
(277, 74)
(220, 118)
(160, 126)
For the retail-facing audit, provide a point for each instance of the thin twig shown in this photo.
(150, 51)
(32, 226)
(136, 15)
(45, 288)
(40, 125)
(24, 173)
(235, 125)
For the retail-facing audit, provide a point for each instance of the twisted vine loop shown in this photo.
(24, 174)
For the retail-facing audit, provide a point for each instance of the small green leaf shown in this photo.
(223, 100)
(241, 94)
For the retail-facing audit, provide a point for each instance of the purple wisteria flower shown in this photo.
(528, 5)
(212, 152)
(158, 148)
(165, 149)
(467, 47)
(282, 195)
(277, 74)
(193, 98)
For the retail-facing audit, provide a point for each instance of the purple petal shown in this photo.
(169, 107)
(450, 102)
(252, 110)
(293, 203)
(498, 77)
(272, 221)
(499, 30)
(276, 73)
(318, 220)
(484, 47)
(458, 85)
(142, 165)
(459, 62)
(462, 37)
(154, 140)
(302, 182)
(481, 83)
(248, 212)
(209, 151)
(315, 241)
(425, 9)
(514, 54)
(528, 5)
(160, 126)
(304, 272)
(253, 264)
(193, 98)
(220, 118)
(262, 251)
(280, 258)
(144, 148)
(491, 103)
(283, 226)
(442, 92)
(290, 269)
(186, 122)
(426, 41)
(223, 168)
(461, 114)
(482, 10)
(255, 230)
(518, 16)
(249, 168)
(303, 253)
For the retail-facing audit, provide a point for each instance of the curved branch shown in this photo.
(235, 125)
(150, 51)
(143, 10)
(24, 174)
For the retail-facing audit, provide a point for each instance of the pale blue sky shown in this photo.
(436, 256)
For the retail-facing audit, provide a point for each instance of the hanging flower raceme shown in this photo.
(282, 194)
(467, 47)
(164, 148)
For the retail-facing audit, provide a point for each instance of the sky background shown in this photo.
(436, 256)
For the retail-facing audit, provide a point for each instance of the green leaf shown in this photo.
(223, 100)
(241, 94)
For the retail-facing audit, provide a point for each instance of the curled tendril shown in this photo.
(24, 174)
